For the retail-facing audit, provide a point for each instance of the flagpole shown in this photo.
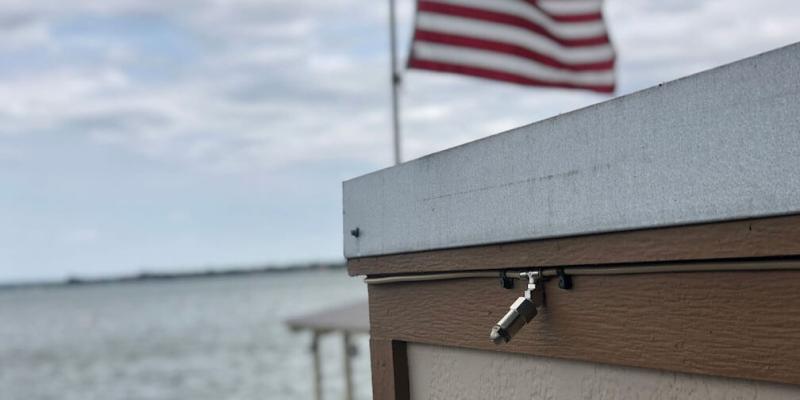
(395, 81)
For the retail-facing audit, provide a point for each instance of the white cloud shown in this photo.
(278, 83)
(80, 236)
(284, 99)
(10, 154)
(20, 31)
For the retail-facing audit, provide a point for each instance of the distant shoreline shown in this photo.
(146, 276)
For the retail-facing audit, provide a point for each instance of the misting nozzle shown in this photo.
(519, 314)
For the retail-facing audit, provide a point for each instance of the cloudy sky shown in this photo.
(185, 134)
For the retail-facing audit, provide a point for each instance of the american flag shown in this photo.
(553, 43)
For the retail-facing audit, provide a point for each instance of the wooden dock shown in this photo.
(347, 320)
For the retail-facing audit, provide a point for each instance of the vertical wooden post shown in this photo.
(317, 367)
(389, 369)
(348, 369)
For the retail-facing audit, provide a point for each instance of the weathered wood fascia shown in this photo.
(750, 238)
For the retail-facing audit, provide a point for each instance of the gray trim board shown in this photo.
(719, 145)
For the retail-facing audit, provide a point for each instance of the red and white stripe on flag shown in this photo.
(553, 43)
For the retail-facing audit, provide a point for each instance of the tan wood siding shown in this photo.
(731, 324)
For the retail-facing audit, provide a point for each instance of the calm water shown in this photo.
(209, 338)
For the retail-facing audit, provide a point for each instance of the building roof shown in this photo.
(719, 145)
